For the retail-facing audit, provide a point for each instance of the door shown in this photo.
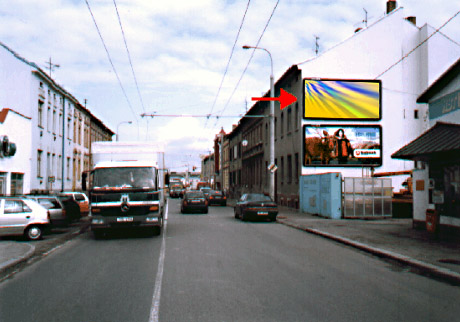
(14, 216)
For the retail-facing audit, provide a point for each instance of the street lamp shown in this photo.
(124, 122)
(272, 124)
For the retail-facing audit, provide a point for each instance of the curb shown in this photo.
(429, 269)
(14, 261)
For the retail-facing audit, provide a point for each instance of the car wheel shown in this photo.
(206, 211)
(242, 216)
(236, 214)
(34, 232)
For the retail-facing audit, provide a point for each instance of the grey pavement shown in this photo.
(390, 238)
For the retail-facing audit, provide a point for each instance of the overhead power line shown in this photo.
(129, 55)
(208, 116)
(249, 61)
(420, 44)
(111, 63)
(229, 59)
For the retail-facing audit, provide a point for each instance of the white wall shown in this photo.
(20, 162)
(420, 197)
(369, 53)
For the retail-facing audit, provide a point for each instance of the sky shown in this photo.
(173, 57)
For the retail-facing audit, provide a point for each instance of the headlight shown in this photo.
(97, 221)
(151, 219)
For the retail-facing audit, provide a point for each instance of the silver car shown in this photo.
(22, 216)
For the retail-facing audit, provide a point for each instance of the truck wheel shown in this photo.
(98, 234)
(34, 232)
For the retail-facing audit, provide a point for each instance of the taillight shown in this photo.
(64, 213)
(205, 202)
(153, 208)
(185, 202)
(93, 209)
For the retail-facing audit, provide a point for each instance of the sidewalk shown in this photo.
(388, 238)
(15, 251)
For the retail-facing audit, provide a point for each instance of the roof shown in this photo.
(440, 83)
(443, 139)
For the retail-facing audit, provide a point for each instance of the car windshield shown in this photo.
(258, 197)
(79, 197)
(129, 177)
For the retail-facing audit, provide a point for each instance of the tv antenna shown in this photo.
(316, 45)
(51, 66)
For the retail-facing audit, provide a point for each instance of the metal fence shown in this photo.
(367, 197)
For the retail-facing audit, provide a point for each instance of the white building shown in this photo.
(52, 130)
(393, 50)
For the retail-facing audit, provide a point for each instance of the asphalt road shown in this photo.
(216, 268)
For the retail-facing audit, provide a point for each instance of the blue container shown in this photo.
(321, 194)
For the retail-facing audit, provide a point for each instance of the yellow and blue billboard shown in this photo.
(338, 99)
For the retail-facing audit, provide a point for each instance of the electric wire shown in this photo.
(418, 46)
(249, 61)
(129, 55)
(113, 66)
(229, 59)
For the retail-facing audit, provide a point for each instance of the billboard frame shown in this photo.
(342, 80)
(343, 165)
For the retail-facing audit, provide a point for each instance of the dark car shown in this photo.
(217, 198)
(176, 191)
(256, 206)
(206, 191)
(194, 201)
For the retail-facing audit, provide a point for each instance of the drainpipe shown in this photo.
(63, 144)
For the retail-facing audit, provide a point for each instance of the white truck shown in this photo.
(126, 187)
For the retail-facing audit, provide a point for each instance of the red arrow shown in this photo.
(285, 98)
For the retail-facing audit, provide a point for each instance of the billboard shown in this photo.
(338, 99)
(342, 145)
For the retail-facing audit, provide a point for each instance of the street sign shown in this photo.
(51, 179)
(272, 167)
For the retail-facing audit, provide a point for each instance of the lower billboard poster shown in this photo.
(342, 145)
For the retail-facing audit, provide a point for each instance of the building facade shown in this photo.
(54, 147)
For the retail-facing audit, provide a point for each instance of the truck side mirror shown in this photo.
(167, 179)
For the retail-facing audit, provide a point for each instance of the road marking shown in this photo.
(155, 309)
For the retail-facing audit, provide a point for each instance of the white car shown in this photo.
(22, 216)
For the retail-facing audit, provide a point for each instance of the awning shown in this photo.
(438, 143)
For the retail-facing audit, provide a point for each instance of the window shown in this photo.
(48, 164)
(69, 120)
(16, 206)
(296, 116)
(282, 124)
(68, 168)
(48, 119)
(282, 170)
(39, 163)
(416, 114)
(289, 116)
(54, 121)
(40, 113)
(59, 167)
(296, 173)
(266, 133)
(17, 181)
(289, 168)
(60, 123)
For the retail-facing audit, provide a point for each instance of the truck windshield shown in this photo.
(133, 177)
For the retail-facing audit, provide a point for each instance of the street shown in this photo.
(213, 267)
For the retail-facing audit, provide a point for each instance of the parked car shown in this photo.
(256, 206)
(72, 207)
(23, 216)
(176, 191)
(217, 198)
(206, 191)
(81, 199)
(56, 208)
(194, 200)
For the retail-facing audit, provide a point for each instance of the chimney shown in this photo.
(391, 5)
(412, 19)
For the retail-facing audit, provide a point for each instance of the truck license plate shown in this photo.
(125, 219)
(262, 213)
